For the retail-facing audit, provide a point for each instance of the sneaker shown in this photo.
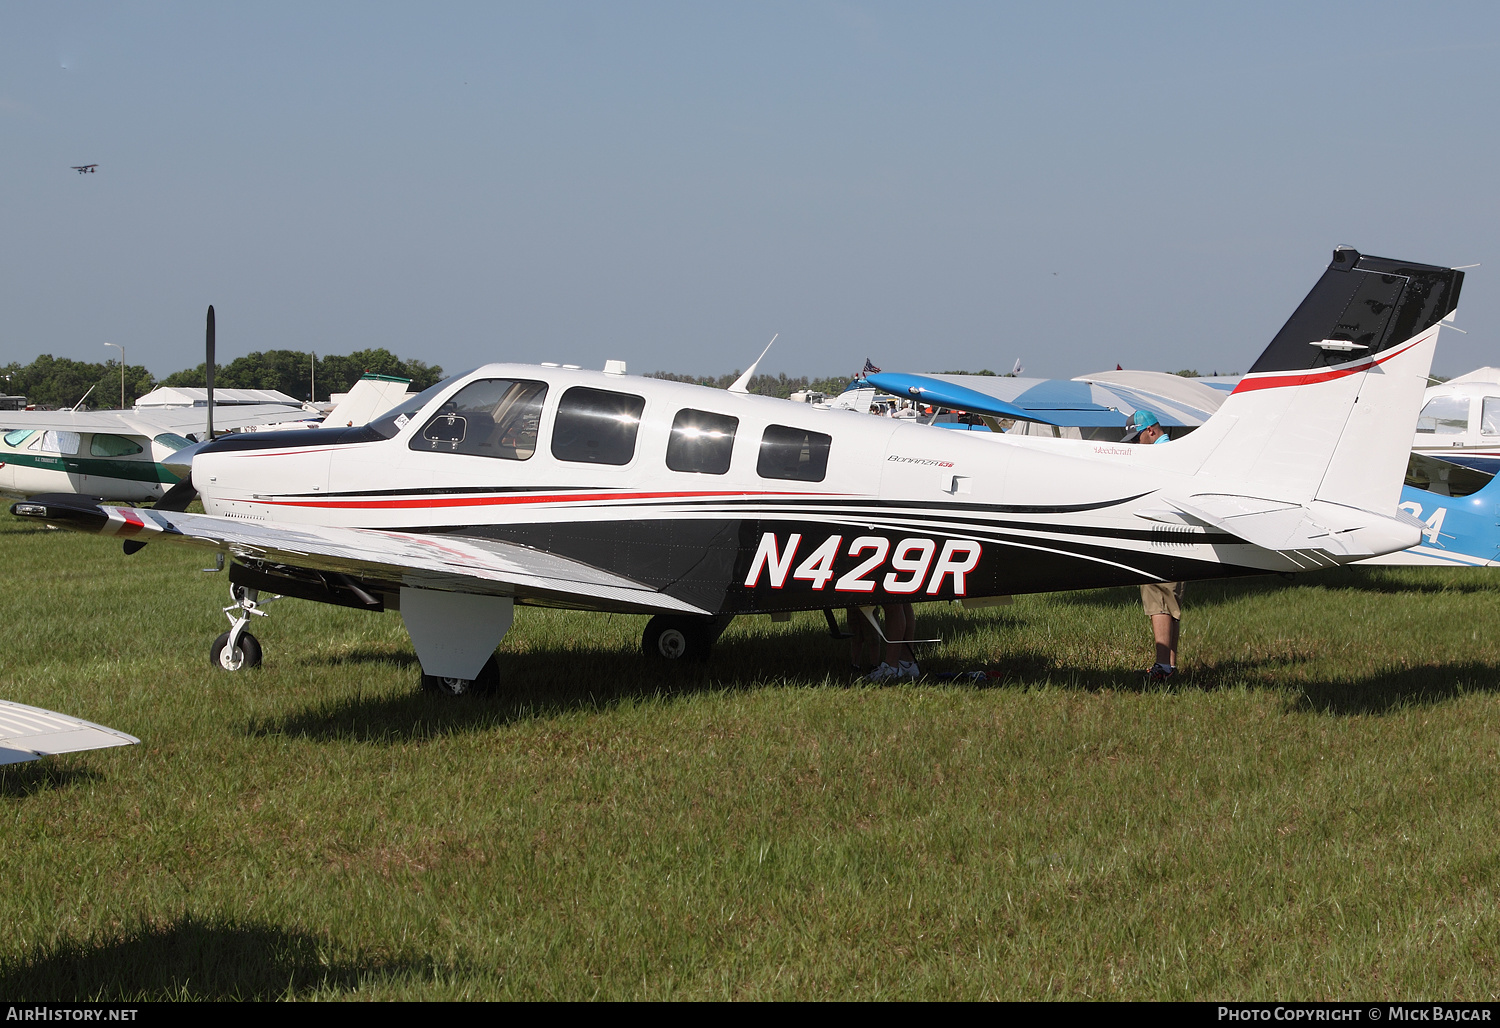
(908, 669)
(1160, 672)
(884, 673)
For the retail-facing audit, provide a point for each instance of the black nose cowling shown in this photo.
(288, 440)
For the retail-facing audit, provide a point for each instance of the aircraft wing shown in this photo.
(183, 420)
(179, 420)
(27, 733)
(446, 563)
(1103, 400)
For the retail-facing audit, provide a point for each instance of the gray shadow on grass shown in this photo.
(196, 959)
(1398, 689)
(544, 683)
(46, 774)
(1387, 580)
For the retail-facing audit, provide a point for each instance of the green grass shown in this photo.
(1308, 813)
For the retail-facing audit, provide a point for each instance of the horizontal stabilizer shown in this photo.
(1341, 533)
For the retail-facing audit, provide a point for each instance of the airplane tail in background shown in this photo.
(1328, 411)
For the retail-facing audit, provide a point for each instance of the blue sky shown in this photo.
(935, 186)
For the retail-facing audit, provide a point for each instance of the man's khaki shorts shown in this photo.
(1162, 598)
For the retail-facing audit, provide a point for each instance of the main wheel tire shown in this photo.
(246, 653)
(487, 682)
(674, 637)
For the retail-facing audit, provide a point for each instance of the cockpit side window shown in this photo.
(394, 420)
(595, 426)
(493, 417)
(103, 445)
(1489, 418)
(15, 437)
(794, 454)
(1444, 415)
(701, 442)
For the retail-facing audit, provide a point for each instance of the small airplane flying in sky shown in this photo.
(560, 487)
(85, 169)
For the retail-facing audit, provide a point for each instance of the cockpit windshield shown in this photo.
(395, 419)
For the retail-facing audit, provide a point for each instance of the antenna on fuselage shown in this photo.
(741, 384)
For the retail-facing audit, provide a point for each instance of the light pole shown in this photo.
(117, 346)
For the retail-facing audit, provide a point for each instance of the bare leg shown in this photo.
(1165, 630)
(899, 625)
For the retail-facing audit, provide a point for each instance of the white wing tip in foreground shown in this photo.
(27, 733)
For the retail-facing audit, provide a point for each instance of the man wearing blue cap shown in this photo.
(1162, 601)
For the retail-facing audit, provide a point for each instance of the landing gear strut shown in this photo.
(237, 649)
(681, 637)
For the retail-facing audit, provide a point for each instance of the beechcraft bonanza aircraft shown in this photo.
(554, 486)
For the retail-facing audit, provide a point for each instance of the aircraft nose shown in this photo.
(180, 463)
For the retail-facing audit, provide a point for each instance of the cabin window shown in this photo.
(172, 441)
(494, 417)
(1489, 418)
(17, 436)
(1444, 415)
(112, 446)
(794, 454)
(60, 442)
(596, 427)
(701, 442)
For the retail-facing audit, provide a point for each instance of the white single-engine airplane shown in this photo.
(560, 487)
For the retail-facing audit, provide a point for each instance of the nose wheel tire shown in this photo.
(246, 653)
(669, 637)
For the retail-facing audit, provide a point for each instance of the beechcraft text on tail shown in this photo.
(525, 484)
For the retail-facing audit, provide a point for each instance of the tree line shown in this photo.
(52, 381)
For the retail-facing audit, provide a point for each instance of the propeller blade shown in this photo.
(208, 369)
(176, 499)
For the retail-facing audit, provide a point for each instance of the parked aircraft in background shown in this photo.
(122, 455)
(1460, 421)
(560, 487)
(132, 455)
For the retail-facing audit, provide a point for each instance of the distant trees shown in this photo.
(52, 381)
(762, 385)
(291, 372)
(61, 382)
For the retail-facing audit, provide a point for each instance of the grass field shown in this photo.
(1309, 813)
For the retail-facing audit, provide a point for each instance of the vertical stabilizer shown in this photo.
(1329, 409)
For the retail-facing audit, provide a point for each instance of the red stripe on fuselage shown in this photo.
(1275, 381)
(405, 503)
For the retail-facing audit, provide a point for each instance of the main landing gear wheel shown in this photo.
(486, 683)
(245, 653)
(678, 637)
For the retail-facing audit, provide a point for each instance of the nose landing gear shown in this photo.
(237, 649)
